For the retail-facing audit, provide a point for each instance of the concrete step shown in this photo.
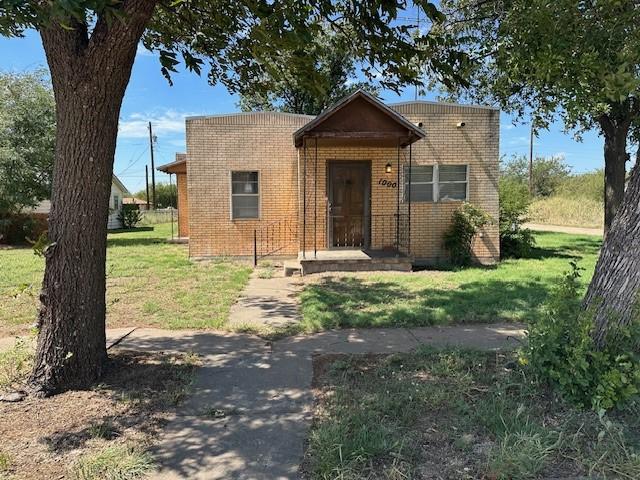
(292, 268)
(400, 264)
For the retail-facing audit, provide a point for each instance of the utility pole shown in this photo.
(153, 168)
(146, 182)
(531, 160)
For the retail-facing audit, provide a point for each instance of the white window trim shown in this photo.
(231, 195)
(466, 193)
(436, 184)
(432, 183)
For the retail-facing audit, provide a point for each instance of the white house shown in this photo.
(118, 193)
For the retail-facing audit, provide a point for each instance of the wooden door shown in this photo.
(349, 186)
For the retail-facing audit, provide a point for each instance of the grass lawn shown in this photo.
(149, 283)
(512, 291)
(452, 414)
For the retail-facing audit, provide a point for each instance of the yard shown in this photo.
(513, 291)
(149, 283)
(457, 414)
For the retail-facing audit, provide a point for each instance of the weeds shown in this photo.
(118, 462)
(15, 364)
(472, 414)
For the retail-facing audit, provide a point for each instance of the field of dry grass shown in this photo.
(561, 210)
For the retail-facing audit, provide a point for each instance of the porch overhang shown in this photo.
(360, 118)
(179, 166)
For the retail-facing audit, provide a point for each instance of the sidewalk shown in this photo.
(564, 229)
(251, 405)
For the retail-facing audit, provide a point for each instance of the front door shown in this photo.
(349, 186)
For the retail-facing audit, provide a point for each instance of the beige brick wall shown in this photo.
(218, 145)
(263, 142)
(477, 145)
(183, 205)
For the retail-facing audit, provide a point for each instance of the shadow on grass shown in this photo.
(352, 302)
(135, 242)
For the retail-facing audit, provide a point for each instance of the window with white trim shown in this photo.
(116, 202)
(439, 183)
(245, 195)
(421, 183)
(452, 182)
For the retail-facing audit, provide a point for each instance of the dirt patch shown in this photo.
(43, 438)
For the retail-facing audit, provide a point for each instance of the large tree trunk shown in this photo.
(89, 76)
(615, 158)
(614, 289)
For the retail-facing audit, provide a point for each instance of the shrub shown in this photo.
(467, 220)
(129, 215)
(548, 172)
(515, 241)
(21, 228)
(562, 352)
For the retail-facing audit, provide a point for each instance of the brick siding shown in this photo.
(262, 142)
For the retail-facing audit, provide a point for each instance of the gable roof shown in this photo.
(376, 120)
(115, 180)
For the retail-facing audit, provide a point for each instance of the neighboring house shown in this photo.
(142, 204)
(361, 180)
(118, 193)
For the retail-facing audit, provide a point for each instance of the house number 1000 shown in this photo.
(387, 183)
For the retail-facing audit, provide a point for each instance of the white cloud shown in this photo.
(561, 154)
(519, 141)
(169, 122)
(507, 126)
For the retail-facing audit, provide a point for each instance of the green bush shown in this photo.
(129, 215)
(562, 352)
(515, 241)
(548, 172)
(21, 228)
(589, 185)
(467, 220)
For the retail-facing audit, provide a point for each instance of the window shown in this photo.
(116, 202)
(452, 182)
(421, 183)
(245, 197)
(436, 183)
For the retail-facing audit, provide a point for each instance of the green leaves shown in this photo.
(27, 136)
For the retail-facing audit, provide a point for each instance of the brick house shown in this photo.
(361, 182)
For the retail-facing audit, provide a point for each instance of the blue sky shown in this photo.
(150, 98)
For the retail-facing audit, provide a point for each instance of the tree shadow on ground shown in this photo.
(136, 388)
(135, 242)
(354, 302)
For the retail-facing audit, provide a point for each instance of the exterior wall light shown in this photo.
(387, 168)
(460, 124)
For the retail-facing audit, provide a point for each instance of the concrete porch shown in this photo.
(353, 260)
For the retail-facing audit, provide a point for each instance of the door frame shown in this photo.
(366, 166)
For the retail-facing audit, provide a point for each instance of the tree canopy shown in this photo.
(573, 59)
(334, 68)
(27, 133)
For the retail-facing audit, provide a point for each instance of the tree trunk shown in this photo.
(613, 292)
(89, 76)
(615, 158)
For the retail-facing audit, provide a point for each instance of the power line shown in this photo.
(133, 162)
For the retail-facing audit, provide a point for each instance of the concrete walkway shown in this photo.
(268, 302)
(251, 405)
(564, 229)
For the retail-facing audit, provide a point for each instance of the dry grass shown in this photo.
(149, 283)
(457, 414)
(574, 212)
(103, 433)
